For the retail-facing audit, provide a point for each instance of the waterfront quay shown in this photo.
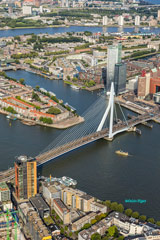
(57, 209)
(34, 106)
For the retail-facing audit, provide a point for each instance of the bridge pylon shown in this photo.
(110, 108)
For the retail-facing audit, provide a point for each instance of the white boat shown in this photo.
(74, 87)
(146, 28)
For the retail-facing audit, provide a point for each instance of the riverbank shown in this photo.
(70, 122)
(83, 87)
(78, 25)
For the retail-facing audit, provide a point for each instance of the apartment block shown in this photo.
(77, 225)
(61, 209)
(76, 199)
(4, 192)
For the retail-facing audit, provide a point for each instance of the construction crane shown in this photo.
(7, 214)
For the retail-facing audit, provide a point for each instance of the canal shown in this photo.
(96, 167)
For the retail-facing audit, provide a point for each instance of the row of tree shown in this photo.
(129, 212)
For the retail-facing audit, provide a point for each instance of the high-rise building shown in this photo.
(114, 57)
(158, 15)
(105, 20)
(25, 177)
(120, 78)
(120, 20)
(137, 20)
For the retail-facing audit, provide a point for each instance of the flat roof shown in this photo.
(39, 203)
(4, 187)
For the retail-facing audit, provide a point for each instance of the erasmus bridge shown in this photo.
(100, 122)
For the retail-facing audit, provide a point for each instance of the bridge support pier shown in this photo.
(110, 108)
(108, 139)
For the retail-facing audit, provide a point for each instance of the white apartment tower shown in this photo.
(137, 20)
(105, 20)
(120, 21)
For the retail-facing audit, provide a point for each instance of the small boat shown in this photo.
(120, 152)
(11, 117)
(74, 87)
(28, 123)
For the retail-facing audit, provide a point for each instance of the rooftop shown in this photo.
(39, 203)
(4, 187)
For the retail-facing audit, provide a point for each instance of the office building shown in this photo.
(120, 20)
(25, 177)
(4, 192)
(27, 10)
(105, 20)
(114, 57)
(120, 78)
(137, 20)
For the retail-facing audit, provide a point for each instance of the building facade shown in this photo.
(120, 78)
(137, 20)
(114, 57)
(25, 177)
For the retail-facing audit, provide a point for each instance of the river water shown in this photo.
(96, 167)
(54, 30)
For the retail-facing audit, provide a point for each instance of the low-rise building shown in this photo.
(61, 209)
(78, 224)
(99, 227)
(98, 207)
(40, 206)
(32, 222)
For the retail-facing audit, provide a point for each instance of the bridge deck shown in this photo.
(60, 150)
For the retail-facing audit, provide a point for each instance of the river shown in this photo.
(96, 167)
(54, 30)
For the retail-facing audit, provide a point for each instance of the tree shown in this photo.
(98, 217)
(112, 231)
(66, 228)
(151, 220)
(37, 87)
(53, 110)
(114, 206)
(96, 236)
(158, 223)
(21, 80)
(142, 218)
(128, 212)
(86, 226)
(135, 215)
(105, 238)
(120, 208)
(74, 79)
(108, 203)
(93, 221)
(36, 97)
(120, 238)
(68, 77)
